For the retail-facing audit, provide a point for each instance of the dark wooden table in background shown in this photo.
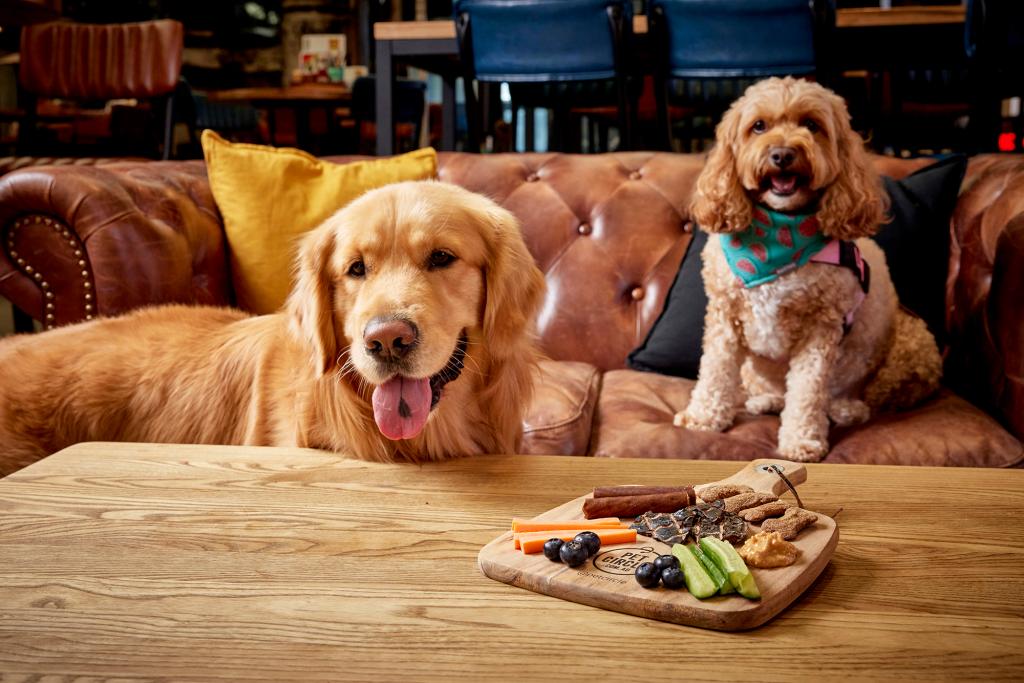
(432, 46)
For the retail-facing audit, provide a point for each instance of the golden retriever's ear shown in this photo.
(720, 204)
(514, 286)
(853, 204)
(310, 303)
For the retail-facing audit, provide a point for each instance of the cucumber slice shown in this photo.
(698, 582)
(730, 562)
(721, 581)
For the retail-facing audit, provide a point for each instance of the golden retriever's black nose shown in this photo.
(782, 157)
(390, 339)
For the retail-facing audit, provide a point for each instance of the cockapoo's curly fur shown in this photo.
(780, 346)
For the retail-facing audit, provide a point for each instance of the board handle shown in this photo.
(760, 476)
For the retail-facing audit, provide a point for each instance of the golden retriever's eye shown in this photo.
(759, 126)
(440, 259)
(357, 269)
(810, 124)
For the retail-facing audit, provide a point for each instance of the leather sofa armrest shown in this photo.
(1001, 327)
(986, 322)
(81, 241)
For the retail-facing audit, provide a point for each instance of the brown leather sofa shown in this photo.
(609, 231)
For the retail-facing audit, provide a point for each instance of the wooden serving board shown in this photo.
(606, 580)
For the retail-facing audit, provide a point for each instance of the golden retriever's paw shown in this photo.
(765, 404)
(702, 422)
(802, 450)
(846, 412)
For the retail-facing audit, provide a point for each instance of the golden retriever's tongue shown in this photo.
(401, 407)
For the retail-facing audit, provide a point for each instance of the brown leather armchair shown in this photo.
(96, 63)
(609, 232)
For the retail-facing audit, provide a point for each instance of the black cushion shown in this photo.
(916, 245)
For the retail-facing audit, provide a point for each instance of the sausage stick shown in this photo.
(631, 506)
(612, 491)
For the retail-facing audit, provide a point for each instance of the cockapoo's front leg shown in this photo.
(803, 434)
(712, 406)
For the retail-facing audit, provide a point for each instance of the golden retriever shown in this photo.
(814, 339)
(407, 337)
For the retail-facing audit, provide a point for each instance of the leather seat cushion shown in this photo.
(635, 410)
(558, 420)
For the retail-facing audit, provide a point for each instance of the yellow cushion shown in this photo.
(269, 196)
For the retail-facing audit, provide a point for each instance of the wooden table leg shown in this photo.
(448, 120)
(385, 82)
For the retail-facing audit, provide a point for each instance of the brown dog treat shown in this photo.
(748, 500)
(631, 506)
(611, 491)
(713, 493)
(792, 523)
(763, 512)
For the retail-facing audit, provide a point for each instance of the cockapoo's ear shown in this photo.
(854, 204)
(720, 204)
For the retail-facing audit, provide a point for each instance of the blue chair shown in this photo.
(736, 42)
(553, 53)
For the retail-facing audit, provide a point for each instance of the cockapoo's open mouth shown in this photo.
(783, 184)
(402, 404)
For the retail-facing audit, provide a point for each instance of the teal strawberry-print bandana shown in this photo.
(773, 244)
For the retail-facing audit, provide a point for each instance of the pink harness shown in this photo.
(847, 255)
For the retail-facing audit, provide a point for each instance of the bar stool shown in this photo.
(718, 47)
(557, 54)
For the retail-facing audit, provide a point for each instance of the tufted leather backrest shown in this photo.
(101, 61)
(609, 232)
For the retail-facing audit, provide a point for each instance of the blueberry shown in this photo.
(590, 540)
(573, 553)
(551, 548)
(647, 575)
(673, 577)
(665, 561)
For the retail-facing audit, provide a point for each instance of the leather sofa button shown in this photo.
(532, 178)
(637, 294)
(585, 229)
(635, 175)
(688, 227)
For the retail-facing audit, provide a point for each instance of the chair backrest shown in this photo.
(101, 61)
(736, 38)
(994, 32)
(544, 40)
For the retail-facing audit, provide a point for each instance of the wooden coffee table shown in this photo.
(202, 563)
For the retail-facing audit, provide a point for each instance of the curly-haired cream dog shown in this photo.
(802, 316)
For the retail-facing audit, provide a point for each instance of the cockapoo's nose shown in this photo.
(390, 339)
(782, 157)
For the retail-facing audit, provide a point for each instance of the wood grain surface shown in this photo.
(602, 583)
(203, 563)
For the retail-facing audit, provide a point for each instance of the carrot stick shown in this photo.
(543, 525)
(533, 542)
(571, 528)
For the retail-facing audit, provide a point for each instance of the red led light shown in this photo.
(1007, 142)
